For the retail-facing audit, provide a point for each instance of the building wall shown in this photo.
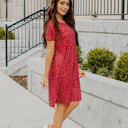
(108, 34)
(35, 5)
(16, 8)
(0, 9)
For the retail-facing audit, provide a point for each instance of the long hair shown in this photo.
(68, 18)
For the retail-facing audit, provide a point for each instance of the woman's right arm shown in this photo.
(49, 56)
(48, 60)
(50, 38)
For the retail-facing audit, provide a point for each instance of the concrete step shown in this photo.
(18, 65)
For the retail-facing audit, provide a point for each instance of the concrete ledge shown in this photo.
(104, 100)
(110, 34)
(105, 26)
(112, 90)
(18, 66)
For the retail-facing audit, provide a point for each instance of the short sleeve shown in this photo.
(50, 31)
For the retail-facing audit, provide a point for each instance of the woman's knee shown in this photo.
(74, 104)
(61, 107)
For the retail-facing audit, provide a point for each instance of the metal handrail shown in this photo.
(27, 36)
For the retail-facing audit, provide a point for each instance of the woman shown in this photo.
(61, 65)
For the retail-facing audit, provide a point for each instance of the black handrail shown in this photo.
(6, 48)
(123, 9)
(25, 34)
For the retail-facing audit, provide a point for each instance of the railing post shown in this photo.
(6, 10)
(44, 13)
(6, 46)
(24, 8)
(73, 5)
(123, 10)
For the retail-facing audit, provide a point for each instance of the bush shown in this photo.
(100, 58)
(81, 62)
(2, 34)
(11, 35)
(104, 72)
(83, 66)
(79, 54)
(121, 71)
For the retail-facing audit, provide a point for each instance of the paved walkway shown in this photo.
(21, 109)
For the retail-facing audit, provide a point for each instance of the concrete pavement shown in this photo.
(19, 108)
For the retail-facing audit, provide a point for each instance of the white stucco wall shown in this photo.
(111, 35)
(104, 100)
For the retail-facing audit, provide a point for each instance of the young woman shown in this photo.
(61, 64)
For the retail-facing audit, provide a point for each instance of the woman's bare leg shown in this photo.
(58, 116)
(67, 110)
(70, 108)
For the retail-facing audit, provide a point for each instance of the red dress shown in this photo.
(63, 76)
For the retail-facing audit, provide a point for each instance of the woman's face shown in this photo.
(62, 7)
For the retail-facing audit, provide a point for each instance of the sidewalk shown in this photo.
(21, 109)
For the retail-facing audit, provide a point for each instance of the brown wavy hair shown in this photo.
(68, 18)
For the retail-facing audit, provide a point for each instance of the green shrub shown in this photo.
(121, 71)
(81, 62)
(11, 35)
(2, 34)
(79, 54)
(83, 66)
(100, 58)
(104, 72)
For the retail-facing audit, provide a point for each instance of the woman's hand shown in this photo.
(44, 82)
(82, 73)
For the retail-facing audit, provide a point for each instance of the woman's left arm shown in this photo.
(79, 67)
(81, 72)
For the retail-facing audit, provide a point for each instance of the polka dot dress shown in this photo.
(63, 76)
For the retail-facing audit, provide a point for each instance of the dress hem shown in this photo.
(65, 103)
